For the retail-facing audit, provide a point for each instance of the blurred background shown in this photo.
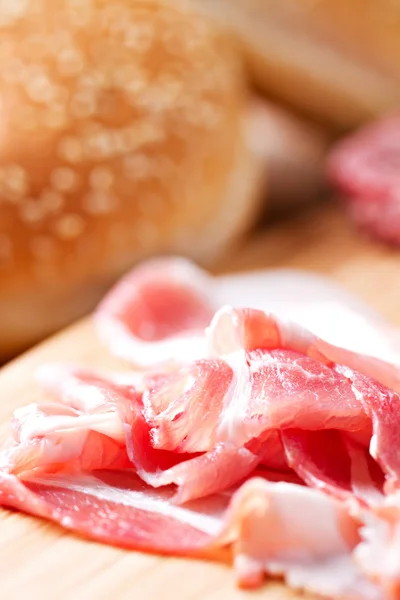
(239, 133)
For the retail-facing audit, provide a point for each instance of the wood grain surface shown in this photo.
(39, 561)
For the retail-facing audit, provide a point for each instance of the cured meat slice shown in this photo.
(63, 441)
(329, 461)
(279, 388)
(215, 471)
(383, 405)
(165, 458)
(365, 169)
(119, 509)
(184, 408)
(321, 459)
(299, 533)
(191, 297)
(378, 552)
(71, 437)
(248, 329)
(270, 448)
(160, 306)
(289, 388)
(275, 528)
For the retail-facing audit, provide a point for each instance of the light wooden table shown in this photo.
(40, 561)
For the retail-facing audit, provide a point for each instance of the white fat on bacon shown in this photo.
(378, 554)
(312, 301)
(225, 340)
(298, 533)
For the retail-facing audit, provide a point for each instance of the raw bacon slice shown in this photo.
(287, 389)
(270, 448)
(184, 407)
(87, 432)
(378, 553)
(50, 438)
(192, 296)
(158, 307)
(328, 461)
(248, 329)
(275, 528)
(383, 405)
(284, 384)
(300, 534)
(119, 509)
(321, 459)
(365, 169)
(212, 472)
(164, 458)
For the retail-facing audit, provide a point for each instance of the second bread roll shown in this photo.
(337, 60)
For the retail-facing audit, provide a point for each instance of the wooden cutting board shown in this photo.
(41, 561)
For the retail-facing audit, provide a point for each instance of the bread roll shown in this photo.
(124, 132)
(338, 60)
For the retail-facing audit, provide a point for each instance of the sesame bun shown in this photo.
(126, 131)
(336, 60)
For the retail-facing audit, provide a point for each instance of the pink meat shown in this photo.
(330, 461)
(365, 169)
(164, 459)
(313, 302)
(74, 436)
(116, 508)
(272, 526)
(157, 306)
(383, 406)
(183, 408)
(300, 534)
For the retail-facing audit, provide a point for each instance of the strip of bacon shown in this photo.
(299, 533)
(117, 508)
(330, 461)
(383, 406)
(158, 307)
(280, 379)
(275, 528)
(166, 303)
(184, 407)
(378, 552)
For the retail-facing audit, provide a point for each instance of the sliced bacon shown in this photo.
(300, 534)
(160, 305)
(164, 458)
(192, 296)
(118, 509)
(270, 449)
(280, 379)
(378, 552)
(212, 472)
(383, 406)
(329, 461)
(275, 528)
(52, 438)
(183, 408)
(321, 459)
